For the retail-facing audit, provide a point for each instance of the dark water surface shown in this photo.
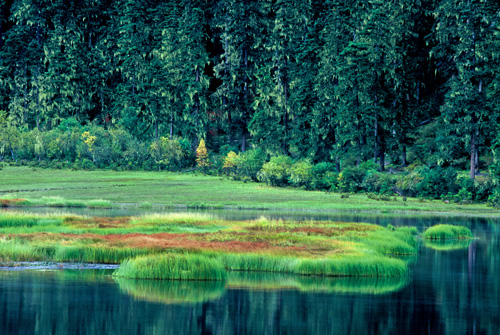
(451, 291)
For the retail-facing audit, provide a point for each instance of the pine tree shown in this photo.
(465, 31)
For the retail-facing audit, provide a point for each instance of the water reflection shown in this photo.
(172, 292)
(452, 292)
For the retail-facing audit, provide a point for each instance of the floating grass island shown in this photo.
(447, 232)
(181, 246)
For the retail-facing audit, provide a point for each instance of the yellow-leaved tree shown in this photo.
(230, 161)
(202, 156)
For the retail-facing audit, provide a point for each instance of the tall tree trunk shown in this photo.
(171, 125)
(473, 155)
(243, 141)
(381, 153)
(476, 155)
(403, 156)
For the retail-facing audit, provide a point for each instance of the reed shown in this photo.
(447, 231)
(97, 254)
(353, 266)
(173, 267)
(258, 262)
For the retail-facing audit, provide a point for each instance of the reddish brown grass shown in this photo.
(100, 222)
(10, 202)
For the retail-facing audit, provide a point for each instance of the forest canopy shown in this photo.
(340, 82)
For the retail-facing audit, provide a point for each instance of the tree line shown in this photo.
(344, 82)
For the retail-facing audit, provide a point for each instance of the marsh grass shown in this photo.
(173, 267)
(353, 266)
(172, 292)
(97, 254)
(56, 201)
(258, 262)
(446, 232)
(207, 246)
(174, 218)
(146, 205)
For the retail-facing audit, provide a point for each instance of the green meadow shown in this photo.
(24, 186)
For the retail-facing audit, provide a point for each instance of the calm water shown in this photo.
(449, 292)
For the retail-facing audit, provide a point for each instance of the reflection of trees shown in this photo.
(452, 293)
(467, 282)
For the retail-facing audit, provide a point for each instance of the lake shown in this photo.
(452, 289)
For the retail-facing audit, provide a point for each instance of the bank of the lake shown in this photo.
(104, 188)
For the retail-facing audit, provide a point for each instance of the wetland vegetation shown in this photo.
(185, 246)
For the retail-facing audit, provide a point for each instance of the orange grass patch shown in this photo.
(10, 202)
(100, 222)
(160, 241)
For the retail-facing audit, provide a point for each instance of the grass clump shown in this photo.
(17, 220)
(353, 266)
(173, 267)
(96, 254)
(447, 232)
(258, 262)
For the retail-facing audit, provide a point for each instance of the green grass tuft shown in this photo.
(353, 266)
(173, 267)
(446, 232)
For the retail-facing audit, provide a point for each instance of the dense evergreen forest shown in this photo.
(138, 83)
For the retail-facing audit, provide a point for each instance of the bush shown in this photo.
(494, 198)
(324, 177)
(276, 172)
(379, 183)
(351, 179)
(436, 182)
(249, 163)
(301, 174)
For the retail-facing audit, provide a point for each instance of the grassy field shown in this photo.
(148, 189)
(202, 247)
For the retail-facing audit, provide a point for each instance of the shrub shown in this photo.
(277, 171)
(324, 177)
(379, 183)
(351, 179)
(301, 174)
(494, 198)
(249, 163)
(436, 182)
(167, 153)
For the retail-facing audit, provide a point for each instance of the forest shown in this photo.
(323, 95)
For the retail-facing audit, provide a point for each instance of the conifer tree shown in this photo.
(465, 30)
